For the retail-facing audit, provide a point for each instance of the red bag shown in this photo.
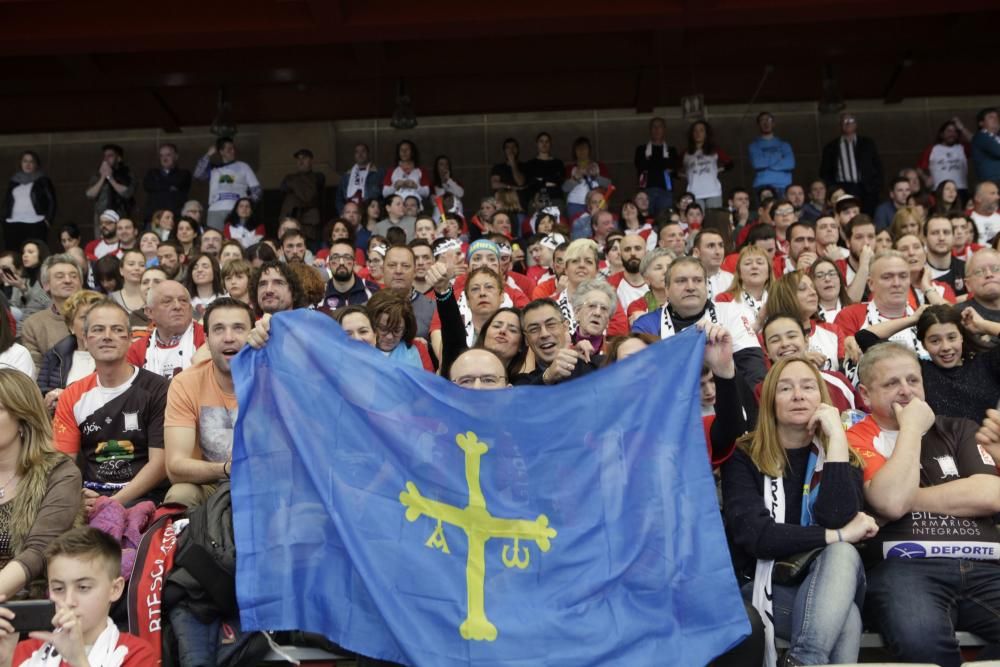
(153, 561)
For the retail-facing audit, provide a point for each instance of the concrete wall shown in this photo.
(473, 142)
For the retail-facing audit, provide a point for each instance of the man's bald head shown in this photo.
(478, 368)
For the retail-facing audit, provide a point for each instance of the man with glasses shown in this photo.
(782, 217)
(852, 162)
(345, 288)
(547, 334)
(478, 368)
(982, 275)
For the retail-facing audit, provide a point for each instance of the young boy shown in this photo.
(84, 580)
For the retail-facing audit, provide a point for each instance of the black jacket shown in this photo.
(535, 376)
(43, 198)
(867, 159)
(55, 365)
(165, 191)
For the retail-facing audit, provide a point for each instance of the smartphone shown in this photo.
(31, 615)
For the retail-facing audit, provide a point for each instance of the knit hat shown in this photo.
(110, 215)
(482, 244)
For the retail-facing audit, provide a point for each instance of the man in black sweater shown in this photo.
(167, 186)
(547, 334)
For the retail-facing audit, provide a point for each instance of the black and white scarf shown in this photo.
(470, 329)
(753, 303)
(667, 323)
(566, 308)
(907, 338)
(763, 597)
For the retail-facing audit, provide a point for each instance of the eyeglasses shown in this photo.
(340, 259)
(551, 325)
(597, 305)
(785, 211)
(386, 331)
(993, 268)
(823, 275)
(469, 381)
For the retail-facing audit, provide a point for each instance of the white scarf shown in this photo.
(667, 323)
(763, 597)
(104, 653)
(168, 361)
(662, 147)
(566, 308)
(356, 184)
(463, 308)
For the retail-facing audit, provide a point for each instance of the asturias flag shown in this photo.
(409, 519)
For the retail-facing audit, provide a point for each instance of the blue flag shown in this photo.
(408, 519)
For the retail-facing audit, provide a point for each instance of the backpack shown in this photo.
(205, 562)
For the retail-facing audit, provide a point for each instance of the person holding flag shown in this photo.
(546, 546)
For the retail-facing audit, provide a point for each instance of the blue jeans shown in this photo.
(821, 617)
(918, 604)
(659, 200)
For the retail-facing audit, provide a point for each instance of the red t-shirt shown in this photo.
(140, 653)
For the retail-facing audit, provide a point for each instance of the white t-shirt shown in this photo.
(948, 163)
(227, 183)
(988, 226)
(703, 175)
(718, 283)
(18, 358)
(81, 366)
(23, 210)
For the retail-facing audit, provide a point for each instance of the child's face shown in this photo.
(86, 587)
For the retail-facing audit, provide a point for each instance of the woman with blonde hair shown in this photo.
(68, 360)
(795, 293)
(751, 280)
(792, 497)
(39, 487)
(162, 224)
(581, 264)
(906, 221)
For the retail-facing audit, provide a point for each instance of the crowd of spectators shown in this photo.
(851, 365)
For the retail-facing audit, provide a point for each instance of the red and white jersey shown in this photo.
(627, 292)
(827, 339)
(99, 248)
(718, 283)
(967, 251)
(415, 174)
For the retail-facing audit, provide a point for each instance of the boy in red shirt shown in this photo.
(84, 573)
